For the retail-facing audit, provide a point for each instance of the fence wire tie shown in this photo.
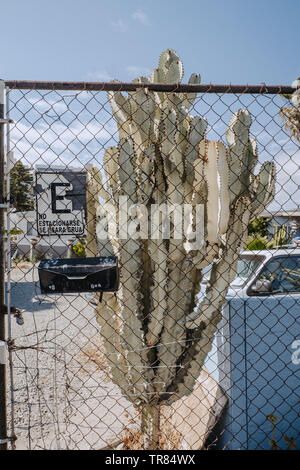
(11, 346)
(3, 345)
(8, 439)
(6, 121)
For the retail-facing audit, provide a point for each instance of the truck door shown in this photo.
(272, 354)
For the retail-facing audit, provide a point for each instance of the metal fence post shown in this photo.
(3, 423)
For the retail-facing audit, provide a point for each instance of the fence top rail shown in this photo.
(123, 86)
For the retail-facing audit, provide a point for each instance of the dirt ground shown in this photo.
(63, 397)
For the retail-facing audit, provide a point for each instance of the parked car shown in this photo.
(258, 351)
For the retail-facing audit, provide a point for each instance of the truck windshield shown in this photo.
(247, 265)
(245, 268)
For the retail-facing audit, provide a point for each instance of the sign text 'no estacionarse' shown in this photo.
(60, 202)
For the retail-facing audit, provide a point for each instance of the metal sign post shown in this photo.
(3, 424)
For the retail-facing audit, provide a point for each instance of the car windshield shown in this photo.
(246, 266)
(283, 274)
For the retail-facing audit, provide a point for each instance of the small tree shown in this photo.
(259, 226)
(21, 181)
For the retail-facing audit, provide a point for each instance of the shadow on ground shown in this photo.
(27, 296)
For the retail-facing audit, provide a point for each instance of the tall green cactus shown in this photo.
(156, 336)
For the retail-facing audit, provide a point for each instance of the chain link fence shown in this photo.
(93, 371)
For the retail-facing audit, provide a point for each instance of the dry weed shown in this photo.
(92, 357)
(169, 439)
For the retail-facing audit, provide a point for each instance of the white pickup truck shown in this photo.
(257, 351)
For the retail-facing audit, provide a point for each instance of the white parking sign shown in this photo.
(60, 202)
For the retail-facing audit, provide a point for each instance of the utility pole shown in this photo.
(3, 418)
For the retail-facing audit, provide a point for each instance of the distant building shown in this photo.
(291, 219)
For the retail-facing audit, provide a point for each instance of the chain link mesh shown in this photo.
(247, 394)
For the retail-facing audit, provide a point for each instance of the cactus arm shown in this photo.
(223, 173)
(94, 189)
(175, 72)
(196, 135)
(130, 253)
(189, 98)
(121, 110)
(164, 62)
(141, 120)
(169, 132)
(169, 68)
(207, 322)
(158, 77)
(265, 189)
(249, 161)
(158, 290)
(154, 114)
(108, 320)
(173, 331)
(200, 192)
(172, 326)
(237, 136)
(111, 167)
(91, 207)
(211, 177)
(202, 257)
(160, 74)
(127, 156)
(106, 312)
(159, 256)
(183, 123)
(146, 177)
(220, 277)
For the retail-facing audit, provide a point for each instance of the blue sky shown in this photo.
(235, 41)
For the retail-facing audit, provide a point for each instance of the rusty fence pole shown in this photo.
(165, 87)
(3, 422)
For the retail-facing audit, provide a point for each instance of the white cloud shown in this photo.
(141, 17)
(59, 143)
(287, 195)
(137, 71)
(119, 25)
(43, 105)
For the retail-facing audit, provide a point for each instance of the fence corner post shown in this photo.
(3, 417)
